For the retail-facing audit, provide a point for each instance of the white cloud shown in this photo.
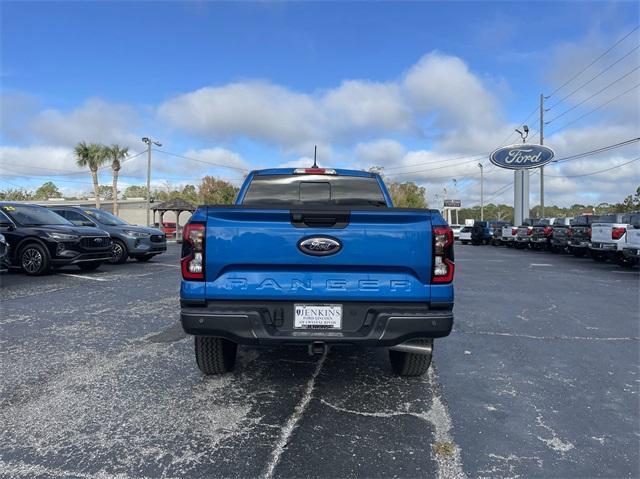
(443, 86)
(382, 152)
(256, 110)
(94, 121)
(366, 106)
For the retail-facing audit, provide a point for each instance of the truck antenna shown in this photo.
(315, 150)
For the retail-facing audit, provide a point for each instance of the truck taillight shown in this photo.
(547, 230)
(569, 232)
(617, 232)
(192, 262)
(514, 231)
(589, 232)
(529, 230)
(443, 265)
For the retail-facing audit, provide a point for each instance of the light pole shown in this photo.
(149, 142)
(521, 187)
(481, 191)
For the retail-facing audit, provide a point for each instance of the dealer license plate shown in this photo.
(317, 316)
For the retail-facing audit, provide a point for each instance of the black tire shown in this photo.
(215, 355)
(577, 252)
(599, 257)
(90, 266)
(411, 364)
(34, 259)
(464, 242)
(625, 262)
(143, 258)
(119, 252)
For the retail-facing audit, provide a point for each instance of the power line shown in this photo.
(594, 77)
(593, 62)
(200, 161)
(598, 150)
(593, 110)
(67, 172)
(437, 161)
(591, 96)
(524, 122)
(596, 172)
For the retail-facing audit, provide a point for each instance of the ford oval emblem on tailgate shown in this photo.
(319, 245)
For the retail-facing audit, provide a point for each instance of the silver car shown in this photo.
(129, 241)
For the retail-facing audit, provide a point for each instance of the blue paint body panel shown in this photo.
(252, 254)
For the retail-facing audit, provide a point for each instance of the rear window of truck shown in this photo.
(314, 190)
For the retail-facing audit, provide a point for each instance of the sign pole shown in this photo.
(542, 167)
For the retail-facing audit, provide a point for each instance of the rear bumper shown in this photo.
(579, 244)
(610, 247)
(270, 323)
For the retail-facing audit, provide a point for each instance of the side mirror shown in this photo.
(6, 224)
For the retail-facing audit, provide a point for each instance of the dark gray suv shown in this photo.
(129, 241)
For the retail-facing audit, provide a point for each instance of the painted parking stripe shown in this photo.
(541, 264)
(168, 265)
(83, 277)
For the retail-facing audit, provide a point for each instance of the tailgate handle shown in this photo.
(301, 219)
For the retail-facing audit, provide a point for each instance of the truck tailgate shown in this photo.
(253, 254)
(601, 232)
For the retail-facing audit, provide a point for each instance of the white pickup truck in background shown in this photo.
(631, 246)
(609, 236)
(509, 234)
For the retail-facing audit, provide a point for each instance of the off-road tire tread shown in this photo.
(215, 355)
(410, 364)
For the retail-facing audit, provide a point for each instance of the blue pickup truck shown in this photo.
(316, 257)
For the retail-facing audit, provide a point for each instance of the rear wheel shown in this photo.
(464, 242)
(599, 257)
(119, 252)
(90, 266)
(34, 259)
(625, 262)
(577, 252)
(411, 364)
(215, 355)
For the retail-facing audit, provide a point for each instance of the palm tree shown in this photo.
(93, 156)
(117, 154)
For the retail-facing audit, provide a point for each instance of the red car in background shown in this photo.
(169, 228)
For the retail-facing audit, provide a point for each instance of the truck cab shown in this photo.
(319, 258)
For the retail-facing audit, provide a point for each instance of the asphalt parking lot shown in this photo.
(539, 378)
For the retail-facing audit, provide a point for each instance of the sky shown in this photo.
(423, 90)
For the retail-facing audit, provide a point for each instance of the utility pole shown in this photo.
(542, 167)
(481, 192)
(149, 142)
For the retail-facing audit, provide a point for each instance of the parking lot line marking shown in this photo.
(290, 425)
(449, 465)
(541, 264)
(83, 277)
(624, 272)
(168, 265)
(530, 336)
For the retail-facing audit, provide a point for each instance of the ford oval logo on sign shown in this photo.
(319, 245)
(522, 156)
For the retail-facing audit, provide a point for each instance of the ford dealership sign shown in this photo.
(522, 156)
